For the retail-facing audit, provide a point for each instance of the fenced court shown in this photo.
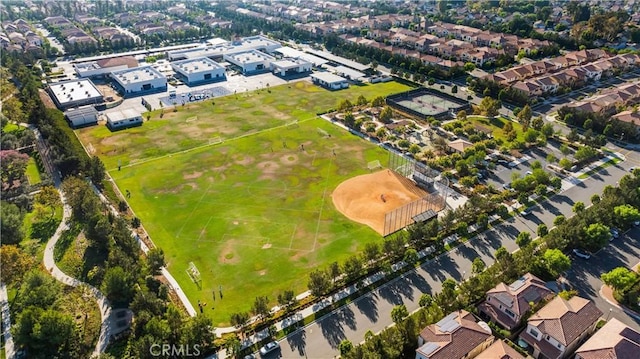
(423, 103)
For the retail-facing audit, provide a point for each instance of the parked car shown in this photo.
(249, 356)
(631, 169)
(513, 164)
(615, 233)
(529, 173)
(526, 212)
(269, 347)
(581, 254)
(636, 223)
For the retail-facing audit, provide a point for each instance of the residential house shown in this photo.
(507, 304)
(456, 336)
(549, 84)
(628, 116)
(459, 145)
(500, 350)
(557, 329)
(58, 21)
(615, 340)
(529, 87)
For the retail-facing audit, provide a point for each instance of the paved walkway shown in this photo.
(6, 322)
(50, 265)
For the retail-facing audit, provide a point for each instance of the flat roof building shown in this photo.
(288, 67)
(139, 80)
(297, 54)
(75, 93)
(198, 71)
(122, 119)
(219, 50)
(104, 67)
(329, 80)
(252, 61)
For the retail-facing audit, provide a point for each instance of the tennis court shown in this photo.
(424, 103)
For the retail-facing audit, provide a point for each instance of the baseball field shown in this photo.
(242, 188)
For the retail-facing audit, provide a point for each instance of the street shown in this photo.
(373, 310)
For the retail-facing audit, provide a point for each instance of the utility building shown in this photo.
(251, 61)
(104, 67)
(138, 81)
(126, 118)
(82, 117)
(329, 80)
(289, 67)
(198, 71)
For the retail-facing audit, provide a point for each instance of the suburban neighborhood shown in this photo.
(320, 179)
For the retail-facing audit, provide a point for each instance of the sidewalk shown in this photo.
(51, 267)
(6, 322)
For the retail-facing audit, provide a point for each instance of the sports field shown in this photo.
(255, 212)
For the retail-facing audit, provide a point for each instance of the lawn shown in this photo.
(196, 124)
(254, 213)
(33, 175)
(496, 124)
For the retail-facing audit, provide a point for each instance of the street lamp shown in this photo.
(609, 314)
(464, 272)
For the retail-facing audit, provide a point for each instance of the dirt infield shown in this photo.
(361, 198)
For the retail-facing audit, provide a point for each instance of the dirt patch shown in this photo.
(266, 246)
(227, 255)
(244, 160)
(359, 198)
(193, 175)
(46, 99)
(289, 159)
(262, 272)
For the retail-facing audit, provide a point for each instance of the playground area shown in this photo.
(423, 103)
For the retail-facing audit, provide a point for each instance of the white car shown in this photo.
(526, 212)
(269, 347)
(581, 254)
(615, 233)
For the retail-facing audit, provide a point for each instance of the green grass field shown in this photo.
(254, 213)
(33, 175)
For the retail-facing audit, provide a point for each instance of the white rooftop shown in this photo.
(200, 64)
(297, 54)
(137, 74)
(74, 90)
(123, 114)
(250, 57)
(225, 48)
(287, 63)
(328, 77)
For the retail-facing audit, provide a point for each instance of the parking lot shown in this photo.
(501, 175)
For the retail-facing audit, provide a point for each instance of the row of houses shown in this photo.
(19, 36)
(573, 70)
(556, 330)
(70, 32)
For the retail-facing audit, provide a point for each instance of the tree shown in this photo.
(345, 347)
(462, 115)
(524, 117)
(596, 236)
(286, 299)
(523, 239)
(542, 230)
(626, 214)
(352, 267)
(334, 271)
(531, 135)
(46, 333)
(361, 100)
(578, 207)
(556, 262)
(398, 313)
(425, 300)
(11, 223)
(447, 299)
(560, 219)
(155, 260)
(15, 263)
(565, 163)
(12, 167)
(490, 106)
(319, 283)
(411, 256)
(118, 285)
(619, 278)
(454, 89)
(537, 123)
(349, 120)
(261, 307)
(547, 130)
(477, 266)
(233, 345)
(378, 101)
(96, 171)
(239, 320)
(48, 197)
(344, 105)
(386, 114)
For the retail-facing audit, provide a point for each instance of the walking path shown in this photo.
(6, 322)
(50, 265)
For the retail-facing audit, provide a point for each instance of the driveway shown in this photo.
(584, 275)
(372, 311)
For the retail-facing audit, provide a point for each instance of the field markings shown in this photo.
(293, 234)
(193, 210)
(324, 195)
(204, 229)
(210, 144)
